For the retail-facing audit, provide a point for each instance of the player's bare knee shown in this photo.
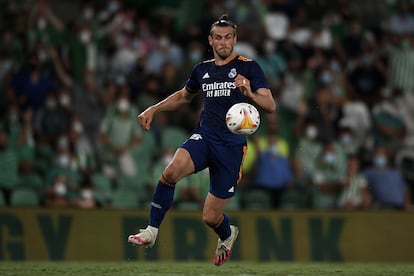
(173, 172)
(211, 219)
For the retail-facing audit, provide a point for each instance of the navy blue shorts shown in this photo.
(224, 163)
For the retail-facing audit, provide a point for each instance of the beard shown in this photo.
(224, 53)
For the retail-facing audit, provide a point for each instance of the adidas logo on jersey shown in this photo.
(206, 76)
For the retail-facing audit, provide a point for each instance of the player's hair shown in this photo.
(224, 21)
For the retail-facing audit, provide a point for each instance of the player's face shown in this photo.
(222, 40)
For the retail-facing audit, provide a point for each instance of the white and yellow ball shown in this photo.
(243, 119)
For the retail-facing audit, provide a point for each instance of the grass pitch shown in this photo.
(202, 268)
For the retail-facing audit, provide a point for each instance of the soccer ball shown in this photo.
(243, 119)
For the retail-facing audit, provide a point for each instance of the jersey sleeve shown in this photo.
(193, 84)
(256, 76)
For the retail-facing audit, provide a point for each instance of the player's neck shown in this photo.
(219, 61)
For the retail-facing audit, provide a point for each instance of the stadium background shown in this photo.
(72, 172)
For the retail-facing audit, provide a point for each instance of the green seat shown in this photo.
(2, 199)
(125, 199)
(102, 187)
(24, 197)
(234, 204)
(32, 181)
(143, 155)
(257, 200)
(41, 166)
(294, 200)
(44, 152)
(188, 206)
(173, 137)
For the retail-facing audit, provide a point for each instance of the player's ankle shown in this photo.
(153, 229)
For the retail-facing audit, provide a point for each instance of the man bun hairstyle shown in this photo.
(224, 21)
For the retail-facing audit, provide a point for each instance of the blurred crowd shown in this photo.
(75, 74)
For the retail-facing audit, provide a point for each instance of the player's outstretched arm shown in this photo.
(171, 103)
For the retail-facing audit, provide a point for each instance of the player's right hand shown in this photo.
(145, 118)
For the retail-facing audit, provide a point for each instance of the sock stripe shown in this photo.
(164, 181)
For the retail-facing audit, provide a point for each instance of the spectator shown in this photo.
(401, 56)
(367, 78)
(388, 123)
(81, 147)
(57, 195)
(329, 175)
(325, 113)
(51, 121)
(8, 166)
(88, 104)
(85, 200)
(166, 51)
(64, 169)
(120, 134)
(386, 184)
(306, 154)
(354, 194)
(31, 85)
(272, 171)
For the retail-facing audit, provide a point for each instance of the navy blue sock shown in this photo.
(223, 228)
(162, 200)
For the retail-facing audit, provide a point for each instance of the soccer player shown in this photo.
(225, 80)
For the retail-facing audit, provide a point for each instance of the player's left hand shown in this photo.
(243, 84)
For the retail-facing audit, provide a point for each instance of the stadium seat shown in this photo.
(32, 181)
(24, 197)
(173, 137)
(188, 206)
(101, 188)
(143, 155)
(234, 204)
(125, 198)
(2, 199)
(257, 200)
(294, 200)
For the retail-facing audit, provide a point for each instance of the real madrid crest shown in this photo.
(232, 73)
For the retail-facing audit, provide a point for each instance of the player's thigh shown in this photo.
(180, 166)
(226, 170)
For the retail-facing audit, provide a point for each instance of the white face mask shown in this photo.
(87, 194)
(113, 6)
(42, 55)
(51, 104)
(64, 100)
(311, 132)
(85, 36)
(346, 139)
(329, 158)
(123, 105)
(41, 23)
(274, 150)
(63, 161)
(88, 14)
(195, 55)
(60, 188)
(77, 126)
